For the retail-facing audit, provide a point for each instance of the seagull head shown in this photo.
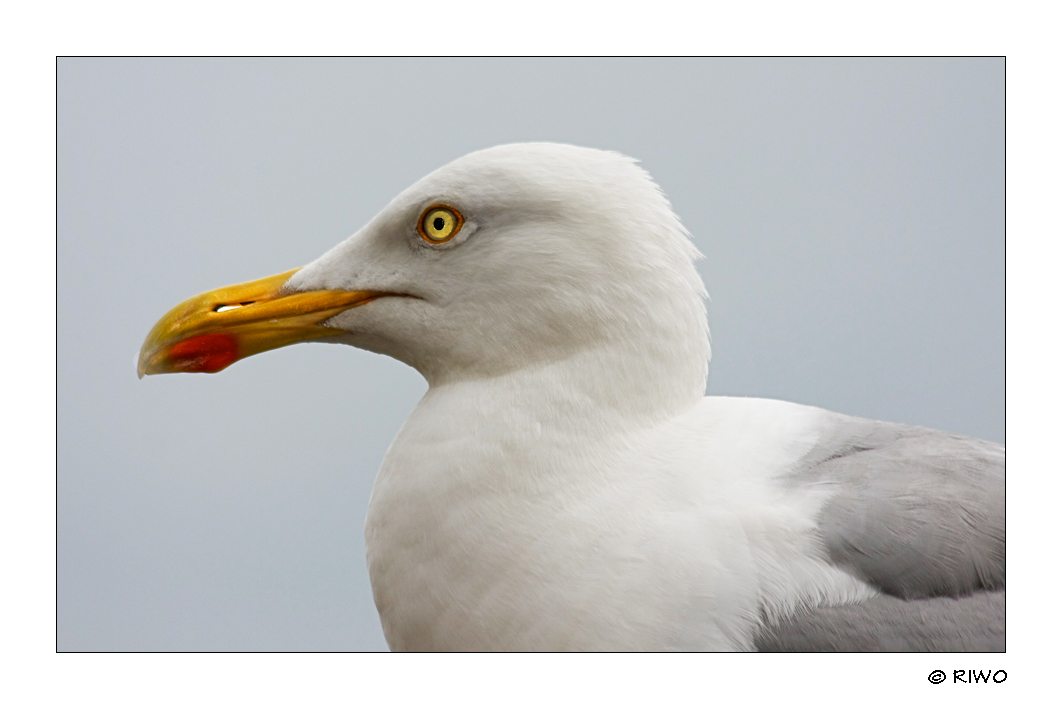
(508, 259)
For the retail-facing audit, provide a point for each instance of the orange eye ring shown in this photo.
(439, 224)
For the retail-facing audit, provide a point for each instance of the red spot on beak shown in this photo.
(212, 352)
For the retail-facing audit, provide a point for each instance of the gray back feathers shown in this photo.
(885, 623)
(913, 511)
(918, 514)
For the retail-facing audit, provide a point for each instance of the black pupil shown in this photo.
(438, 224)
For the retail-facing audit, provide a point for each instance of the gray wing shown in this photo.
(918, 514)
(971, 623)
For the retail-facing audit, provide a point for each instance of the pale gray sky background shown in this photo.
(851, 213)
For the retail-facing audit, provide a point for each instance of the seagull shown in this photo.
(565, 484)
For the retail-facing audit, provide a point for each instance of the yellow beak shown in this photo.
(211, 331)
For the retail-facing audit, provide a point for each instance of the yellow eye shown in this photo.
(440, 223)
